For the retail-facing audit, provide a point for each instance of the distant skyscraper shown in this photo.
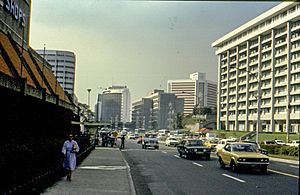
(195, 91)
(156, 111)
(114, 104)
(63, 67)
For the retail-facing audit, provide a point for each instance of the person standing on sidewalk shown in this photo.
(69, 150)
(122, 142)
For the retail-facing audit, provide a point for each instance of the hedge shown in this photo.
(281, 150)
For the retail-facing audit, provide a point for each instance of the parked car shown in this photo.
(279, 142)
(240, 154)
(294, 143)
(171, 141)
(261, 150)
(269, 142)
(150, 140)
(193, 148)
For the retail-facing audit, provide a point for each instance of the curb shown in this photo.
(132, 188)
(284, 160)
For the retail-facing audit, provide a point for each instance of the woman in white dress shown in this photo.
(69, 149)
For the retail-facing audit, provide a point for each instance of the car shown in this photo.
(171, 141)
(193, 148)
(212, 144)
(261, 150)
(269, 142)
(150, 140)
(294, 143)
(279, 142)
(222, 143)
(242, 155)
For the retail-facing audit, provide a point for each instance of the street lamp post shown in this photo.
(89, 91)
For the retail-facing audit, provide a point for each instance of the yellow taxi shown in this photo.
(212, 144)
(242, 155)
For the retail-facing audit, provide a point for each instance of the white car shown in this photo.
(171, 141)
(223, 142)
(294, 143)
(279, 142)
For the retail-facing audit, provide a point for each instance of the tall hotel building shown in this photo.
(261, 59)
(195, 91)
(63, 67)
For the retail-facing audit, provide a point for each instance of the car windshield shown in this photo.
(244, 148)
(194, 143)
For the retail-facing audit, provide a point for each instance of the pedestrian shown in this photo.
(69, 150)
(122, 142)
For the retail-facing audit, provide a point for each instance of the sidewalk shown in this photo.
(104, 171)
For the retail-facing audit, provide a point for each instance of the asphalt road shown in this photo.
(164, 172)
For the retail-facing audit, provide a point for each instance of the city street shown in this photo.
(164, 172)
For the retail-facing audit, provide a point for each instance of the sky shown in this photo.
(140, 44)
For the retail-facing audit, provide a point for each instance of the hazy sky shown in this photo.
(138, 43)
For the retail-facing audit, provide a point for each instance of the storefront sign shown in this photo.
(14, 10)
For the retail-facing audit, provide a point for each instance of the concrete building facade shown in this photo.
(63, 67)
(259, 72)
(162, 112)
(114, 104)
(196, 91)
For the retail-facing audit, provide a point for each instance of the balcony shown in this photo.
(266, 49)
(253, 54)
(296, 59)
(281, 94)
(295, 38)
(295, 49)
(280, 44)
(283, 63)
(279, 54)
(266, 40)
(243, 50)
(280, 34)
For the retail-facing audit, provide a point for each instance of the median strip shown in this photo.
(231, 177)
(285, 174)
(199, 165)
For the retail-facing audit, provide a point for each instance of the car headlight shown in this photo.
(241, 159)
(191, 150)
(204, 150)
(266, 160)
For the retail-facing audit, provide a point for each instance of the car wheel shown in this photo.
(233, 166)
(263, 169)
(207, 157)
(222, 165)
(180, 154)
(188, 156)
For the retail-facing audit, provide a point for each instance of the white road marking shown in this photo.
(297, 167)
(197, 164)
(282, 173)
(231, 177)
(177, 156)
(164, 152)
(104, 167)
